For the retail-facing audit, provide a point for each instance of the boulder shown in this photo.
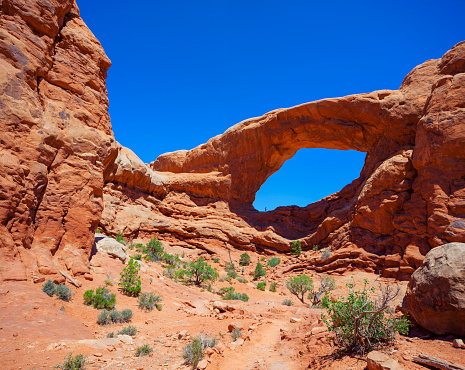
(380, 361)
(435, 297)
(110, 247)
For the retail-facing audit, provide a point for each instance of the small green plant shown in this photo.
(193, 351)
(231, 270)
(97, 230)
(361, 323)
(109, 280)
(259, 271)
(273, 287)
(130, 280)
(273, 262)
(229, 294)
(242, 280)
(236, 333)
(111, 335)
(261, 286)
(64, 292)
(147, 301)
(244, 259)
(126, 315)
(300, 285)
(159, 307)
(154, 250)
(216, 260)
(296, 247)
(119, 238)
(137, 256)
(102, 298)
(71, 362)
(49, 288)
(199, 272)
(315, 247)
(62, 308)
(143, 350)
(325, 254)
(106, 317)
(327, 284)
(128, 330)
(287, 302)
(263, 259)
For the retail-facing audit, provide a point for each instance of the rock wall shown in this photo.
(409, 198)
(56, 139)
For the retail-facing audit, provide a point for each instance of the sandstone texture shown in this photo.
(56, 140)
(435, 296)
(409, 198)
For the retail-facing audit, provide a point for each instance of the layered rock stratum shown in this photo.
(63, 174)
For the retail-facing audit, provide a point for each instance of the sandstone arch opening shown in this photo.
(310, 175)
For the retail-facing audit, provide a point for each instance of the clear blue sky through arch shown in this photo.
(185, 71)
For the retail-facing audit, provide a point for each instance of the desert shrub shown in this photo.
(154, 250)
(296, 247)
(64, 292)
(97, 230)
(148, 301)
(171, 259)
(143, 350)
(244, 260)
(49, 288)
(193, 351)
(273, 287)
(130, 280)
(327, 284)
(101, 299)
(360, 322)
(216, 260)
(263, 259)
(315, 247)
(325, 254)
(106, 317)
(111, 335)
(241, 280)
(119, 238)
(199, 272)
(273, 262)
(325, 301)
(71, 362)
(109, 280)
(229, 294)
(299, 285)
(128, 330)
(137, 256)
(261, 286)
(259, 271)
(236, 333)
(140, 247)
(231, 270)
(287, 302)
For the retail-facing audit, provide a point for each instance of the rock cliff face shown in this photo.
(409, 198)
(60, 166)
(56, 139)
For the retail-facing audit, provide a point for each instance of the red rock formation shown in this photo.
(408, 199)
(56, 139)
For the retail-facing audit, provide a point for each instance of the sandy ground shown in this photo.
(38, 332)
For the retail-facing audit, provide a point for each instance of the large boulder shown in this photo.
(110, 247)
(435, 296)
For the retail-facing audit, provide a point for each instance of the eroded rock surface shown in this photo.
(409, 198)
(56, 139)
(435, 296)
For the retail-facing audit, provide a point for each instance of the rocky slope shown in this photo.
(408, 199)
(63, 173)
(56, 139)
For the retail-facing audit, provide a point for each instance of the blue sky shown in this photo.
(185, 71)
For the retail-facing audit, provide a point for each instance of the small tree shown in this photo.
(130, 280)
(199, 271)
(327, 284)
(296, 247)
(300, 285)
(259, 271)
(154, 250)
(244, 260)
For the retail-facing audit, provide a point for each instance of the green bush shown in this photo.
(77, 362)
(147, 301)
(299, 285)
(126, 315)
(261, 286)
(128, 330)
(273, 262)
(236, 333)
(231, 270)
(143, 350)
(296, 247)
(113, 317)
(193, 351)
(154, 250)
(229, 294)
(360, 323)
(130, 280)
(216, 260)
(199, 272)
(49, 288)
(315, 247)
(327, 284)
(273, 287)
(244, 260)
(287, 302)
(111, 335)
(259, 271)
(64, 292)
(102, 298)
(137, 256)
(119, 238)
